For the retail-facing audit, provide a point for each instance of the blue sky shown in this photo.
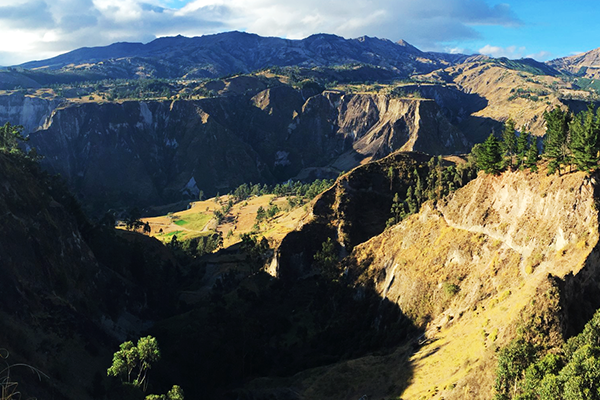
(542, 29)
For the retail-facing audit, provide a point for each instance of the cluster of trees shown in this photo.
(572, 373)
(11, 136)
(569, 140)
(262, 214)
(430, 183)
(113, 89)
(326, 261)
(133, 221)
(511, 151)
(307, 191)
(296, 192)
(257, 251)
(198, 246)
(142, 89)
(132, 362)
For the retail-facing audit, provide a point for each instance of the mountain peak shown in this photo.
(409, 47)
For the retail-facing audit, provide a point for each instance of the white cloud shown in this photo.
(514, 52)
(509, 52)
(69, 24)
(540, 56)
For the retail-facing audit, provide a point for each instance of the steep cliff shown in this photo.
(70, 291)
(30, 112)
(158, 152)
(472, 268)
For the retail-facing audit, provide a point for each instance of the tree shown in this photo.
(397, 210)
(556, 139)
(532, 156)
(133, 362)
(260, 214)
(411, 201)
(326, 260)
(272, 211)
(390, 175)
(176, 393)
(489, 156)
(522, 147)
(10, 136)
(509, 141)
(133, 219)
(585, 139)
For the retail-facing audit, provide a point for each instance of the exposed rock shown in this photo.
(145, 153)
(585, 64)
(474, 262)
(30, 112)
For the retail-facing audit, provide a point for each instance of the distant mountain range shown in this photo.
(222, 54)
(235, 52)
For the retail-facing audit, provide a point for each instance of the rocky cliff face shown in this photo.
(30, 112)
(157, 152)
(469, 269)
(585, 64)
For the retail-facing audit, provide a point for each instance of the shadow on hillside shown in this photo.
(580, 297)
(477, 129)
(252, 325)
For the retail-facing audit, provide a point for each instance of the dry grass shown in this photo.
(199, 220)
(498, 259)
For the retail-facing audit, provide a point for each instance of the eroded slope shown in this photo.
(467, 268)
(141, 153)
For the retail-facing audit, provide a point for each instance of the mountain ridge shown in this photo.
(231, 52)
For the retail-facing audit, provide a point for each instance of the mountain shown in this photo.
(585, 64)
(234, 52)
(504, 257)
(157, 152)
(71, 291)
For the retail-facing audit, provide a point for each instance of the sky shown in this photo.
(541, 29)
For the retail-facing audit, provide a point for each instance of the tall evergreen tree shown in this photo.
(585, 139)
(532, 155)
(489, 155)
(522, 147)
(556, 139)
(509, 142)
(411, 201)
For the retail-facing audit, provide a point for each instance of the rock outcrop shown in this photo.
(30, 112)
(157, 152)
(468, 269)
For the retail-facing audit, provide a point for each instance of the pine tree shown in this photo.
(419, 189)
(522, 147)
(489, 156)
(532, 156)
(509, 142)
(584, 144)
(556, 139)
(411, 201)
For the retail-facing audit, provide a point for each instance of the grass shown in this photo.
(198, 220)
